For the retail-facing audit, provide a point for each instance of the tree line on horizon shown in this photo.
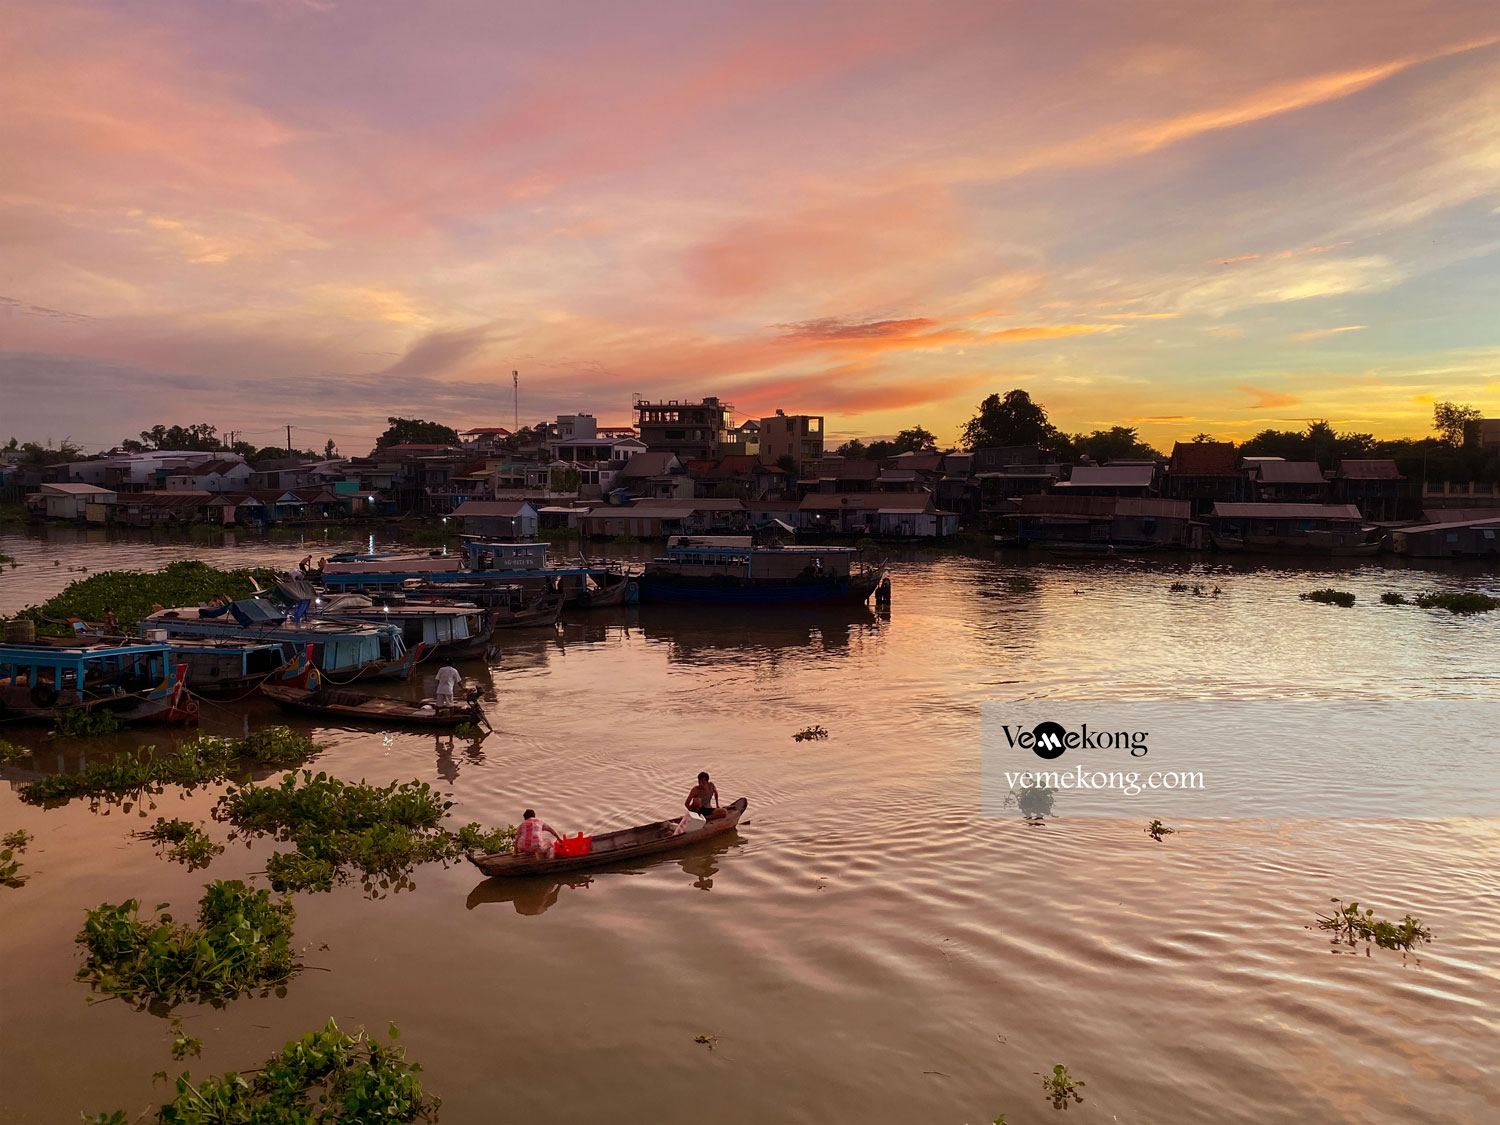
(1452, 452)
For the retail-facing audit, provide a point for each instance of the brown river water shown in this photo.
(866, 947)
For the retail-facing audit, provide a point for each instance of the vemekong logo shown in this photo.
(1049, 740)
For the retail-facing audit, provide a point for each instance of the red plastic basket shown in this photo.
(574, 845)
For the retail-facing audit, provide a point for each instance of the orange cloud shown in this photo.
(1324, 333)
(880, 237)
(1266, 400)
(1046, 332)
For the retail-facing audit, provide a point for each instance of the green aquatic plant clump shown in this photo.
(1329, 596)
(1391, 597)
(132, 593)
(1350, 926)
(190, 845)
(10, 752)
(1466, 603)
(321, 1078)
(202, 761)
(10, 866)
(242, 942)
(340, 827)
(1061, 1087)
(81, 722)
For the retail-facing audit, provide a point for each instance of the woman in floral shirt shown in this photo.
(529, 838)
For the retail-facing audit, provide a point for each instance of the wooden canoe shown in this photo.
(613, 847)
(357, 706)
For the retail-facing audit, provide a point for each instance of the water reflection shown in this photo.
(538, 894)
(450, 749)
(723, 634)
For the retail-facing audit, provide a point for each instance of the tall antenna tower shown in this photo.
(515, 382)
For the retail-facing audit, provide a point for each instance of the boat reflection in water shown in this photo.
(538, 894)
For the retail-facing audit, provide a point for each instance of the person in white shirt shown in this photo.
(447, 680)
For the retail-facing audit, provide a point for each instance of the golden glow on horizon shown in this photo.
(338, 212)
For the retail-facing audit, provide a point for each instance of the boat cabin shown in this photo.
(419, 622)
(338, 646)
(39, 680)
(484, 555)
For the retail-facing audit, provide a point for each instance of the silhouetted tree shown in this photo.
(1118, 443)
(416, 431)
(1456, 424)
(1012, 419)
(915, 440)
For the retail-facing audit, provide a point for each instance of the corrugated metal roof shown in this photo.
(866, 501)
(1418, 529)
(1150, 506)
(1111, 476)
(1459, 515)
(76, 489)
(1288, 511)
(491, 508)
(1369, 470)
(1288, 472)
(1204, 459)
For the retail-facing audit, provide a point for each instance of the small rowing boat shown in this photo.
(361, 707)
(614, 847)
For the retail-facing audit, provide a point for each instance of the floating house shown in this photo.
(500, 519)
(1336, 529)
(1456, 539)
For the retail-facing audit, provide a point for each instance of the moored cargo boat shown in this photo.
(730, 569)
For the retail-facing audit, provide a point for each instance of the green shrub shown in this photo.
(242, 942)
(10, 752)
(190, 844)
(1465, 603)
(1329, 596)
(322, 1078)
(339, 827)
(1350, 926)
(80, 722)
(204, 760)
(10, 867)
(1061, 1087)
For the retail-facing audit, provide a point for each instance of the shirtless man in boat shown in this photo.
(704, 799)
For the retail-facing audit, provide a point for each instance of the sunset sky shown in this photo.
(1185, 216)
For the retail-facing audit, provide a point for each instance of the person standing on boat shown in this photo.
(447, 680)
(703, 799)
(529, 838)
(111, 623)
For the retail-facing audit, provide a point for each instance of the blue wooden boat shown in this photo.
(134, 682)
(343, 650)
